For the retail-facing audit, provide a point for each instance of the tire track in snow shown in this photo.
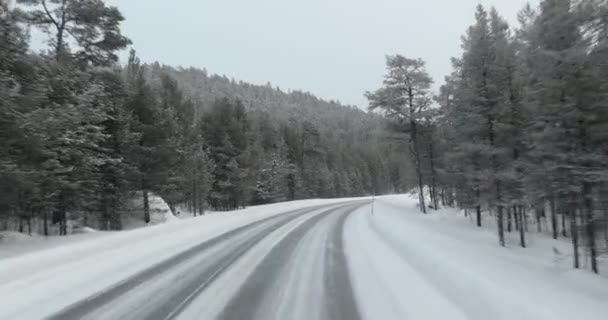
(301, 276)
(92, 306)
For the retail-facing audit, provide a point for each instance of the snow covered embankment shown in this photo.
(406, 265)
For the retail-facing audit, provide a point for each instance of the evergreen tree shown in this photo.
(404, 99)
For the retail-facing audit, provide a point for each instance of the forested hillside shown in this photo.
(80, 134)
(519, 130)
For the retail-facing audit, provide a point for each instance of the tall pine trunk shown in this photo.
(478, 208)
(522, 233)
(538, 215)
(433, 174)
(29, 224)
(574, 233)
(589, 225)
(416, 150)
(564, 224)
(554, 228)
(509, 220)
(501, 231)
(194, 198)
(146, 206)
(46, 222)
(517, 218)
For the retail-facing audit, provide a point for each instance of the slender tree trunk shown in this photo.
(509, 220)
(46, 222)
(500, 213)
(433, 174)
(524, 218)
(501, 231)
(105, 217)
(564, 228)
(29, 224)
(478, 208)
(522, 234)
(415, 150)
(146, 206)
(538, 214)
(64, 220)
(195, 198)
(517, 218)
(115, 221)
(574, 232)
(554, 228)
(589, 225)
(421, 194)
(63, 229)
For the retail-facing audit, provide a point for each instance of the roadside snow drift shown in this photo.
(405, 265)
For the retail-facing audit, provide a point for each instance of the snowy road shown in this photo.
(307, 260)
(272, 269)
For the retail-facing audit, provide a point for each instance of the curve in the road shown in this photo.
(303, 276)
(199, 265)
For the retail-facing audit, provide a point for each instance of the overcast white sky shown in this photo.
(332, 48)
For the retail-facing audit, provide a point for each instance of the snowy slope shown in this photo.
(408, 266)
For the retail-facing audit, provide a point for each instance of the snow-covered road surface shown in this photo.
(317, 260)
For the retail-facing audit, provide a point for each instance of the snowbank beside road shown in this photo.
(429, 267)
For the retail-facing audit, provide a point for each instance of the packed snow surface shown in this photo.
(405, 265)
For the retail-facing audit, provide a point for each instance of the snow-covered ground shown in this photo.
(408, 266)
(13, 243)
(400, 265)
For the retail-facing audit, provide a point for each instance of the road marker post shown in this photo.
(373, 199)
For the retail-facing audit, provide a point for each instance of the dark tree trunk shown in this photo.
(564, 228)
(574, 232)
(201, 205)
(64, 220)
(433, 174)
(522, 234)
(501, 231)
(46, 222)
(146, 206)
(105, 217)
(115, 223)
(415, 150)
(63, 228)
(509, 220)
(589, 225)
(478, 208)
(538, 213)
(553, 218)
(517, 218)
